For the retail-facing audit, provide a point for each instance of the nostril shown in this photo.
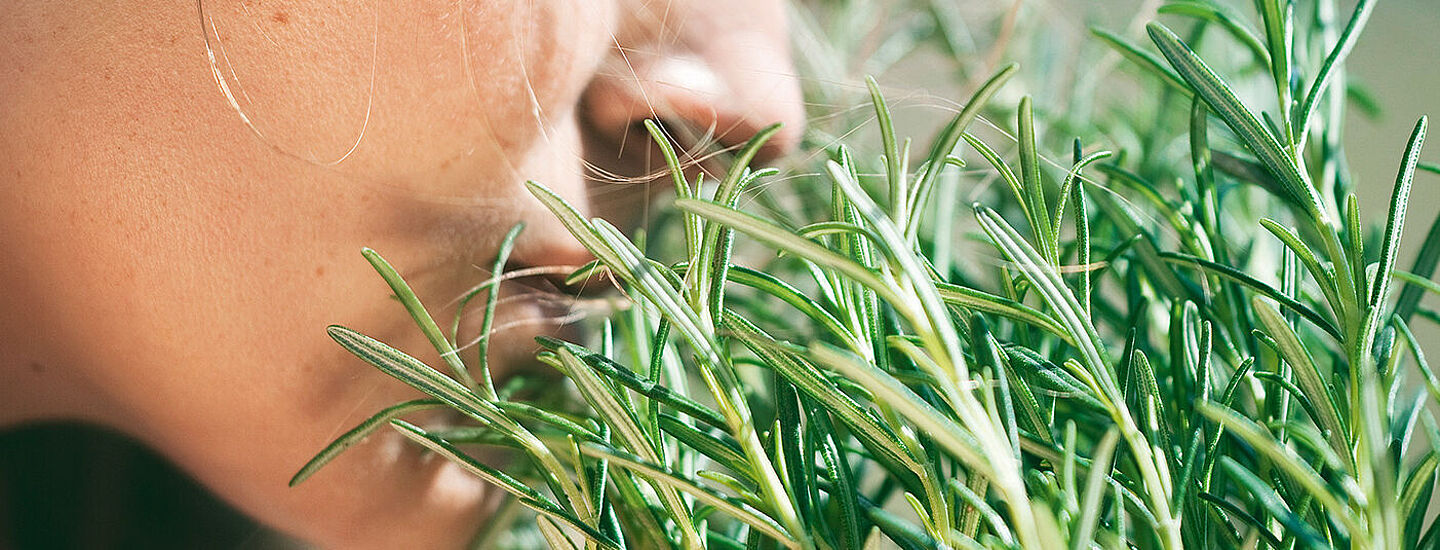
(702, 100)
(694, 144)
(715, 73)
(784, 142)
(595, 284)
(555, 279)
(546, 263)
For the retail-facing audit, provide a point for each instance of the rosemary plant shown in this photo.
(1168, 347)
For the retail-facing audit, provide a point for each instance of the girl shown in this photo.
(186, 190)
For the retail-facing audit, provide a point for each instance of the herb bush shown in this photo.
(1190, 342)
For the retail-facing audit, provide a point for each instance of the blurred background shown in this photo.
(70, 486)
(1399, 60)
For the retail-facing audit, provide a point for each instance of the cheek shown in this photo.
(426, 96)
(532, 60)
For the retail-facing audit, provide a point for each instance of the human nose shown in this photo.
(709, 72)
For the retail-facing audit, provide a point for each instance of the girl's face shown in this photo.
(186, 192)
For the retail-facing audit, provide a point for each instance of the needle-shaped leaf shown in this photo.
(820, 229)
(1304, 400)
(1323, 277)
(1028, 410)
(527, 496)
(1336, 58)
(1060, 382)
(1307, 376)
(1244, 516)
(1423, 268)
(652, 282)
(1208, 10)
(359, 433)
(893, 175)
(1227, 398)
(933, 322)
(677, 177)
(627, 427)
(1394, 224)
(1152, 403)
(530, 412)
(1273, 503)
(1260, 287)
(1065, 191)
(813, 383)
(1143, 59)
(723, 450)
(1418, 487)
(605, 367)
(1030, 180)
(664, 477)
(422, 317)
(1017, 187)
(1354, 251)
(982, 510)
(946, 142)
(553, 535)
(1094, 486)
(774, 286)
(936, 425)
(1222, 101)
(418, 375)
(707, 285)
(1053, 290)
(902, 533)
(780, 238)
(621, 257)
(1248, 171)
(1282, 456)
(1278, 21)
(843, 493)
(487, 321)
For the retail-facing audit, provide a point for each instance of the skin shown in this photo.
(172, 255)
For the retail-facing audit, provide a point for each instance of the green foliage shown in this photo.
(855, 391)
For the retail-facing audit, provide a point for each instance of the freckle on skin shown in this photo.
(280, 17)
(36, 367)
(320, 271)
